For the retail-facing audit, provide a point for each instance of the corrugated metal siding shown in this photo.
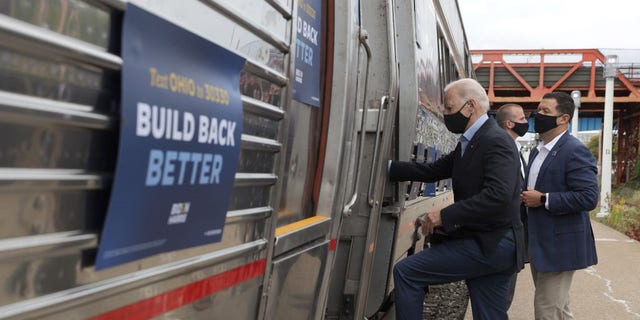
(59, 114)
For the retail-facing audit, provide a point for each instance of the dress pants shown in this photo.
(487, 276)
(512, 289)
(551, 301)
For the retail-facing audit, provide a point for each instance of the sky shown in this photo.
(553, 24)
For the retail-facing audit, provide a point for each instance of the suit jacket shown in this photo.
(561, 238)
(523, 209)
(486, 188)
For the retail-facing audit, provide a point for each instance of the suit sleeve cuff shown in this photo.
(546, 203)
(446, 217)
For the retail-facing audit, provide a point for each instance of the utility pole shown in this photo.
(610, 70)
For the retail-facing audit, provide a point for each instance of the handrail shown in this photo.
(376, 157)
(374, 219)
(363, 37)
(630, 70)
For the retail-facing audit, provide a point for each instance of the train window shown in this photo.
(443, 61)
(447, 67)
(427, 55)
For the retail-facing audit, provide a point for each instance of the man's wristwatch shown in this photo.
(543, 199)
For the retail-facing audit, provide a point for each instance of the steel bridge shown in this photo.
(524, 76)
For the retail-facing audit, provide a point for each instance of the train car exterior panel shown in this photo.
(295, 282)
(312, 229)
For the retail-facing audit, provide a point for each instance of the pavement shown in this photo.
(609, 290)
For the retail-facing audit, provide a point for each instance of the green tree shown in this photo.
(592, 144)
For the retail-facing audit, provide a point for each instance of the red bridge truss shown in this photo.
(524, 76)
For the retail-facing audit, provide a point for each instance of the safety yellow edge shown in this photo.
(299, 225)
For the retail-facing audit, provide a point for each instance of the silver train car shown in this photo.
(313, 227)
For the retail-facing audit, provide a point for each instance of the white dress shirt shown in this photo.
(534, 167)
(522, 164)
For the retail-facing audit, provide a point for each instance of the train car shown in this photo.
(327, 91)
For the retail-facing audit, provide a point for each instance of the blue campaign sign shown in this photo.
(306, 85)
(179, 141)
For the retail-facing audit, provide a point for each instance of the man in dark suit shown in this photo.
(478, 234)
(511, 118)
(562, 188)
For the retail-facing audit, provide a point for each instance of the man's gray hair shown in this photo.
(467, 89)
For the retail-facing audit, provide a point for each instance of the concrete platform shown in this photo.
(608, 291)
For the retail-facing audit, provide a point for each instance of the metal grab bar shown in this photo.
(391, 103)
(374, 218)
(364, 38)
(376, 157)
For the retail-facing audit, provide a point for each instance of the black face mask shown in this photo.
(456, 122)
(520, 128)
(544, 123)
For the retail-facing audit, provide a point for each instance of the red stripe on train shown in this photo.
(176, 298)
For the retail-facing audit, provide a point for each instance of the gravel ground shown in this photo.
(446, 301)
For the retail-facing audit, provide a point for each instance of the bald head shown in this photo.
(508, 112)
(510, 117)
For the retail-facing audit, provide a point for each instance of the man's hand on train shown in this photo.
(430, 221)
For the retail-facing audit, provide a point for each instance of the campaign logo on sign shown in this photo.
(181, 125)
(179, 212)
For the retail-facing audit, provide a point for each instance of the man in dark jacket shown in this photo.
(562, 187)
(510, 118)
(479, 233)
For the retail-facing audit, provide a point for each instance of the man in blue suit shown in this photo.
(562, 188)
(479, 238)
